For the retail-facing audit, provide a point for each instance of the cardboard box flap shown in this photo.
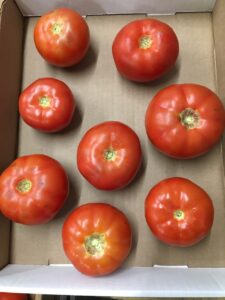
(11, 37)
(101, 7)
(129, 282)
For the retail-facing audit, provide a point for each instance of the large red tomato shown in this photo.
(33, 189)
(109, 155)
(145, 49)
(47, 104)
(179, 212)
(12, 296)
(97, 238)
(185, 120)
(62, 37)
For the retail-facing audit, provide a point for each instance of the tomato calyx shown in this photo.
(179, 215)
(24, 186)
(110, 154)
(189, 118)
(145, 42)
(95, 244)
(44, 101)
(57, 28)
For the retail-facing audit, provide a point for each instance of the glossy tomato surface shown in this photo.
(109, 155)
(97, 238)
(179, 212)
(47, 105)
(62, 37)
(185, 120)
(144, 50)
(33, 189)
(13, 296)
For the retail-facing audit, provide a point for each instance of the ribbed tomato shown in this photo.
(62, 37)
(97, 238)
(144, 50)
(109, 155)
(185, 120)
(179, 212)
(47, 105)
(33, 189)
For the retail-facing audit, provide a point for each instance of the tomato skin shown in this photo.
(142, 65)
(62, 37)
(98, 218)
(116, 172)
(169, 135)
(173, 194)
(45, 195)
(54, 117)
(13, 296)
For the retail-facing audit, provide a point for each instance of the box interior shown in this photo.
(111, 97)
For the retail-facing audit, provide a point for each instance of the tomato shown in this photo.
(185, 120)
(13, 296)
(47, 105)
(179, 212)
(109, 155)
(62, 37)
(97, 238)
(144, 50)
(33, 189)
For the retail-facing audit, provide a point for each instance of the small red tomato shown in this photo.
(13, 296)
(47, 105)
(109, 155)
(144, 50)
(97, 238)
(33, 189)
(62, 37)
(185, 120)
(179, 212)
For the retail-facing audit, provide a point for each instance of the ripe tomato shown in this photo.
(179, 212)
(12, 296)
(97, 238)
(33, 189)
(109, 155)
(185, 120)
(145, 49)
(62, 37)
(47, 104)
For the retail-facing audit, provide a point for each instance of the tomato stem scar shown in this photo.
(110, 155)
(44, 101)
(95, 244)
(24, 186)
(178, 214)
(145, 42)
(57, 28)
(189, 118)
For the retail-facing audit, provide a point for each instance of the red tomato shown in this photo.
(12, 296)
(145, 50)
(179, 212)
(109, 155)
(33, 189)
(47, 104)
(62, 37)
(185, 120)
(97, 238)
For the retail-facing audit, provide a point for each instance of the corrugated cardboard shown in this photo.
(101, 95)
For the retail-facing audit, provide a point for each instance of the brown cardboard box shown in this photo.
(101, 95)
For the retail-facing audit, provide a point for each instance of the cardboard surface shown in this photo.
(99, 7)
(101, 95)
(11, 38)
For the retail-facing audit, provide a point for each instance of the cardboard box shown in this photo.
(31, 258)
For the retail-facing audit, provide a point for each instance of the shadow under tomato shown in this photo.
(72, 199)
(75, 122)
